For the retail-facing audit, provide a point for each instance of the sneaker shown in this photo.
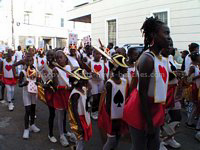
(52, 139)
(64, 141)
(26, 134)
(34, 128)
(197, 136)
(72, 137)
(190, 126)
(173, 143)
(10, 106)
(2, 101)
(162, 146)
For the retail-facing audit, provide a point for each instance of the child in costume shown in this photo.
(112, 103)
(96, 82)
(61, 96)
(27, 80)
(8, 77)
(79, 117)
(41, 58)
(72, 57)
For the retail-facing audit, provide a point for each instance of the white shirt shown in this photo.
(188, 62)
(19, 55)
(111, 52)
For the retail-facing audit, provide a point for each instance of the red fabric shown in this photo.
(87, 129)
(111, 126)
(170, 96)
(49, 97)
(133, 113)
(60, 99)
(10, 81)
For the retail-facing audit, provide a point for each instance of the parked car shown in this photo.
(139, 47)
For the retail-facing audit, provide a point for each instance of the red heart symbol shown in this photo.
(42, 62)
(97, 68)
(106, 69)
(8, 67)
(163, 73)
(30, 72)
(132, 73)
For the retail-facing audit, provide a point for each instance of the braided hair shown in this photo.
(149, 27)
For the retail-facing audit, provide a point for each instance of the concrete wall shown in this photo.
(184, 19)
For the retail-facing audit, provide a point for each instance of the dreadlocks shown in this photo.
(149, 27)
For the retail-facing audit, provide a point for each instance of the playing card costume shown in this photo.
(157, 93)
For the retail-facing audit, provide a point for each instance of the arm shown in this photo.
(21, 82)
(55, 78)
(1, 67)
(145, 67)
(108, 97)
(74, 102)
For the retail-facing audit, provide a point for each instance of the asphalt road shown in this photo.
(12, 126)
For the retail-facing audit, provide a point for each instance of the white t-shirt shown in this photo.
(111, 52)
(188, 62)
(19, 55)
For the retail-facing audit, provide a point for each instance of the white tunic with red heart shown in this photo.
(41, 61)
(98, 67)
(7, 69)
(63, 77)
(161, 77)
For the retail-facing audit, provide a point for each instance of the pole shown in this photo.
(12, 17)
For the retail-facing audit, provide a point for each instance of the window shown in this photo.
(112, 35)
(26, 18)
(163, 16)
(47, 20)
(62, 22)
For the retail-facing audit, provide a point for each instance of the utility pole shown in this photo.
(12, 17)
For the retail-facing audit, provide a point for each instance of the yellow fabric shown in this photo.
(41, 94)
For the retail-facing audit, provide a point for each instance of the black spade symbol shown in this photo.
(118, 98)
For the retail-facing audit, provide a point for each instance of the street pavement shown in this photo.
(12, 126)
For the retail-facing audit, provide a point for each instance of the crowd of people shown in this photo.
(129, 93)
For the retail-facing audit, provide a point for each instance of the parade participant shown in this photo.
(18, 57)
(193, 47)
(27, 80)
(112, 105)
(79, 116)
(194, 77)
(87, 54)
(144, 111)
(133, 55)
(121, 51)
(72, 57)
(183, 55)
(173, 105)
(61, 96)
(41, 58)
(49, 92)
(8, 77)
(96, 82)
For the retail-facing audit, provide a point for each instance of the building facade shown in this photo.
(119, 21)
(40, 22)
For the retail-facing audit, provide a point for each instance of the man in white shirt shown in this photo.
(18, 57)
(192, 48)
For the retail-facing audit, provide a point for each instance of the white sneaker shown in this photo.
(162, 146)
(52, 139)
(34, 128)
(72, 137)
(64, 141)
(2, 101)
(173, 143)
(10, 106)
(26, 134)
(197, 136)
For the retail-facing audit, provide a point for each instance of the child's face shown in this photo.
(9, 54)
(97, 56)
(29, 61)
(61, 59)
(50, 56)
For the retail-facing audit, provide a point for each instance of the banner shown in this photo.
(29, 41)
(87, 40)
(73, 38)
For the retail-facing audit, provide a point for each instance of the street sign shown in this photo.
(29, 41)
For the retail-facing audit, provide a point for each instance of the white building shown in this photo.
(119, 21)
(38, 20)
